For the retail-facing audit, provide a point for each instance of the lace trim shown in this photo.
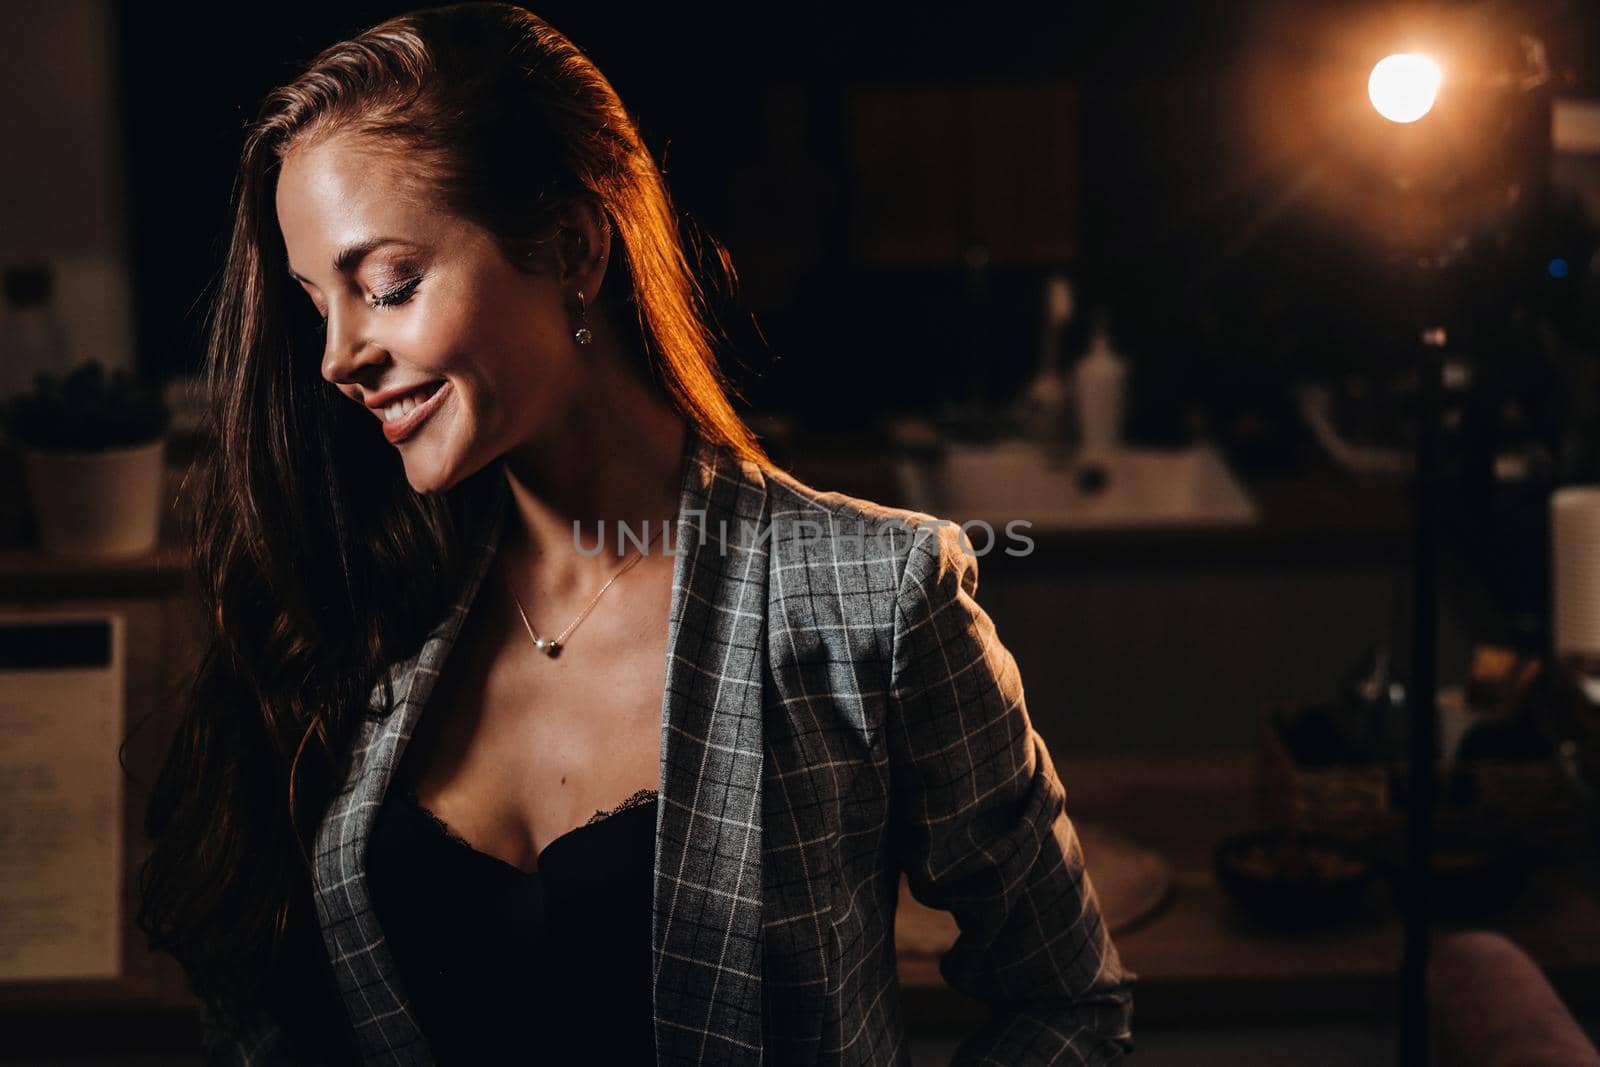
(637, 799)
(443, 827)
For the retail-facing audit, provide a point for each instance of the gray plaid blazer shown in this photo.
(838, 709)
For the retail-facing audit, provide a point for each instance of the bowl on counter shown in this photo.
(1291, 878)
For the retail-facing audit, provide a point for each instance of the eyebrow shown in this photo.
(350, 257)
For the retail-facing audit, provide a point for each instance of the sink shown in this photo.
(1131, 487)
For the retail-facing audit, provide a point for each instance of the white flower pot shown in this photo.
(100, 503)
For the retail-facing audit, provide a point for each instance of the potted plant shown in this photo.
(92, 447)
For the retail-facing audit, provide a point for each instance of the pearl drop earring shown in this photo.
(583, 335)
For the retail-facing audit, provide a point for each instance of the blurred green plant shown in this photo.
(86, 410)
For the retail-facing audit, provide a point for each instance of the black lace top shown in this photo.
(503, 965)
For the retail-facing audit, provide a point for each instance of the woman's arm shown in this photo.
(981, 830)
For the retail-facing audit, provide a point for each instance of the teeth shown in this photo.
(400, 407)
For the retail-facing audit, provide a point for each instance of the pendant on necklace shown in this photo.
(549, 647)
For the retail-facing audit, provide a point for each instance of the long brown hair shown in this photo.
(315, 580)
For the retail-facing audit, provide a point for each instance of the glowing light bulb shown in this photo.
(1404, 86)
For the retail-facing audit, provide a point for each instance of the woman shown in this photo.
(455, 783)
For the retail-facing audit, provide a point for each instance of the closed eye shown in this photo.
(396, 296)
(393, 298)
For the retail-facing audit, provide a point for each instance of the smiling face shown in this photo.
(414, 298)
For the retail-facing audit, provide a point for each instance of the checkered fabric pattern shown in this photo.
(838, 710)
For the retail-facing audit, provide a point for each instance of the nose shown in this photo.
(346, 348)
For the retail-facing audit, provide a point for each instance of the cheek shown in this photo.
(529, 346)
(438, 334)
(492, 315)
(509, 348)
(507, 384)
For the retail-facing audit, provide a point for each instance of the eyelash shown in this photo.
(393, 298)
(398, 295)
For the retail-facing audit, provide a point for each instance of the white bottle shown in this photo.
(1099, 385)
(1044, 409)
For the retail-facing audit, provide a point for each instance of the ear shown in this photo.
(584, 247)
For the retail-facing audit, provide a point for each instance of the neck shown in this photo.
(612, 458)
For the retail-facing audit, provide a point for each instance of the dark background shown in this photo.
(1189, 196)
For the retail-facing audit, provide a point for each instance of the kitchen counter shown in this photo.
(1200, 962)
(1324, 516)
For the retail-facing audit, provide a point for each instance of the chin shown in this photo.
(433, 458)
(431, 468)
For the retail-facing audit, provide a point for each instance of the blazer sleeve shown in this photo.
(980, 829)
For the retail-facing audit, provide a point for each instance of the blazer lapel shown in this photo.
(386, 1029)
(708, 922)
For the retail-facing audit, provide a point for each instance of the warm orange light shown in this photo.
(1404, 86)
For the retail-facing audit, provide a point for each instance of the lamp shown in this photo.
(1403, 88)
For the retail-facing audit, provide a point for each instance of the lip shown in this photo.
(403, 427)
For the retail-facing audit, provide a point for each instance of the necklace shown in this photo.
(552, 646)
